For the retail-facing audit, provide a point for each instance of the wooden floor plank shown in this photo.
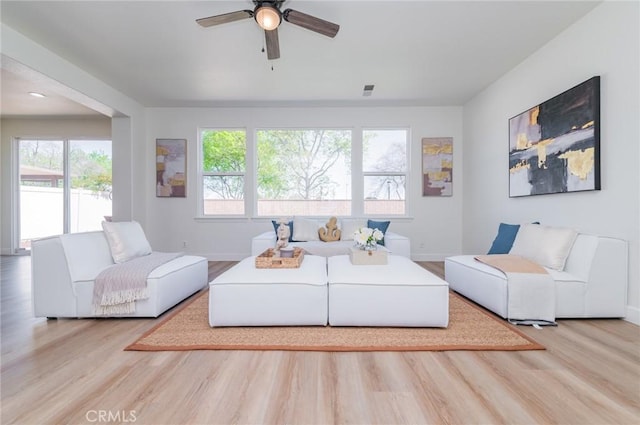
(65, 371)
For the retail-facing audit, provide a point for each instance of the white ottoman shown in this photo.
(246, 296)
(400, 293)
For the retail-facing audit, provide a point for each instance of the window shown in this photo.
(303, 172)
(223, 171)
(64, 187)
(385, 171)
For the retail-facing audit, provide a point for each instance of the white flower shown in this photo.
(366, 236)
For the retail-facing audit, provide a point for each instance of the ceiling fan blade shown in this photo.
(311, 22)
(225, 18)
(273, 45)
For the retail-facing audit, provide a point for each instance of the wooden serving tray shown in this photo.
(266, 260)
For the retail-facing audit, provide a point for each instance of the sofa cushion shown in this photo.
(126, 240)
(305, 229)
(87, 254)
(547, 246)
(349, 227)
(380, 225)
(504, 239)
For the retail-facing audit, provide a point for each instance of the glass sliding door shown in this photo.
(41, 190)
(90, 184)
(64, 186)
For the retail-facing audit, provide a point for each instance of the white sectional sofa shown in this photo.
(394, 243)
(64, 268)
(592, 282)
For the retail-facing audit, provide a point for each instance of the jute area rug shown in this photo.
(470, 328)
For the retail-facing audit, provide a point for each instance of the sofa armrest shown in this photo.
(262, 242)
(397, 244)
(606, 291)
(51, 286)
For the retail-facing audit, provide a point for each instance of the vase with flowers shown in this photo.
(367, 238)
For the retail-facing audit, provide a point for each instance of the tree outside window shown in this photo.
(303, 172)
(223, 171)
(385, 169)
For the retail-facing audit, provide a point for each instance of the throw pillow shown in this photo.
(547, 246)
(290, 224)
(126, 240)
(349, 227)
(504, 239)
(305, 229)
(380, 225)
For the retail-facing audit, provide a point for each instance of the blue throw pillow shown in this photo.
(290, 224)
(380, 225)
(504, 240)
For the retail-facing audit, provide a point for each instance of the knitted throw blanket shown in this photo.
(531, 291)
(118, 287)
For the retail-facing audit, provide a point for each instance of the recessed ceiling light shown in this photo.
(36, 94)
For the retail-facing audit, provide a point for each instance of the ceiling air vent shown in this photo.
(368, 89)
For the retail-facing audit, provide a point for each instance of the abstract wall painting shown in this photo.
(437, 166)
(555, 147)
(171, 168)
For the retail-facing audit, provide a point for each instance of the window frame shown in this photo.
(406, 174)
(67, 142)
(251, 172)
(202, 174)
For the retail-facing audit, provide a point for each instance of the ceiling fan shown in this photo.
(269, 16)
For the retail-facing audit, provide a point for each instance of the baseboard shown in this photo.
(633, 315)
(9, 252)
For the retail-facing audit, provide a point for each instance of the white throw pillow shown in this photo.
(527, 239)
(547, 246)
(305, 229)
(126, 240)
(349, 226)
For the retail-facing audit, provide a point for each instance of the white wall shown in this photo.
(606, 43)
(435, 222)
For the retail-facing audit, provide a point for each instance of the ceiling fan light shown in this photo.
(268, 17)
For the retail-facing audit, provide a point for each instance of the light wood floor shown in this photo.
(73, 371)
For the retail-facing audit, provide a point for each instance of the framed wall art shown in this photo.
(554, 147)
(437, 166)
(171, 168)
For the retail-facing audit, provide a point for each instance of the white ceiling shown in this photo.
(16, 100)
(415, 52)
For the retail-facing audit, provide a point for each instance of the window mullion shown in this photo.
(357, 180)
(66, 182)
